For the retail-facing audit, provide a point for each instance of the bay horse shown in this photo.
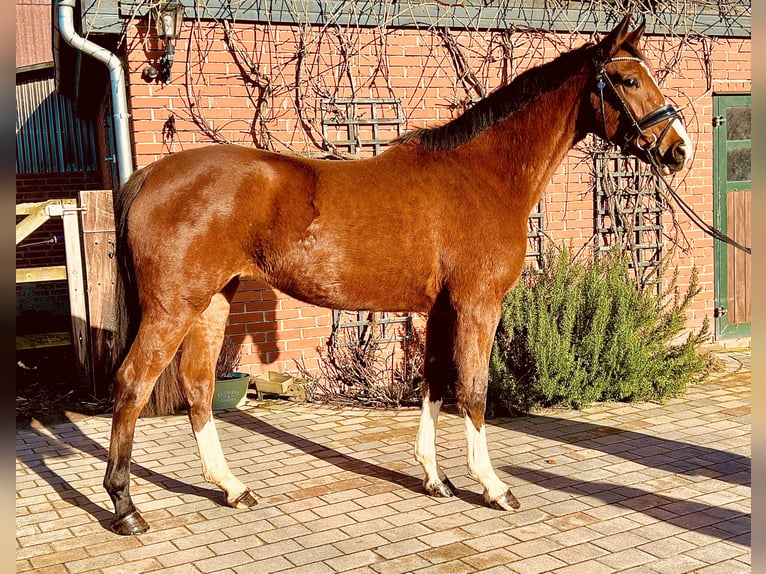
(436, 224)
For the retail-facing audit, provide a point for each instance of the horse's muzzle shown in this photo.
(675, 157)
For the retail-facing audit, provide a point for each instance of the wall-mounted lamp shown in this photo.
(168, 18)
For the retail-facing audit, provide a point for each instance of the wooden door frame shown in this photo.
(721, 102)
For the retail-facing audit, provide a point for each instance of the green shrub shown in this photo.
(571, 334)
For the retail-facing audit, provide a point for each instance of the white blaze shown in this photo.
(677, 124)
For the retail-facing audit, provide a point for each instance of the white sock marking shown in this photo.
(479, 464)
(425, 442)
(214, 467)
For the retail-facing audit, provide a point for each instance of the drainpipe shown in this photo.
(117, 77)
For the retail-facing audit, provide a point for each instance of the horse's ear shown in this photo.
(635, 36)
(607, 47)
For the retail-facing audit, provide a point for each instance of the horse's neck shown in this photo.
(530, 145)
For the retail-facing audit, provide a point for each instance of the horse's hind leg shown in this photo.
(475, 329)
(155, 345)
(200, 353)
(439, 372)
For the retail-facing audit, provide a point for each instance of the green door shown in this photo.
(732, 180)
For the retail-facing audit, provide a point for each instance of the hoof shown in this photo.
(245, 500)
(443, 489)
(130, 525)
(504, 502)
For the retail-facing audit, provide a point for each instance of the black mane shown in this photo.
(500, 104)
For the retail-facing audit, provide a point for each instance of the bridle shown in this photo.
(637, 127)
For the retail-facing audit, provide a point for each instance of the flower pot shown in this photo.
(230, 391)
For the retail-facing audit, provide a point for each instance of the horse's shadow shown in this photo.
(670, 455)
(62, 439)
(677, 457)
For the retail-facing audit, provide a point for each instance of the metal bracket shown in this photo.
(718, 121)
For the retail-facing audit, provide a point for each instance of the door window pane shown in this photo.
(738, 164)
(738, 123)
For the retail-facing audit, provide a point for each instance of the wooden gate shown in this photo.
(90, 273)
(733, 185)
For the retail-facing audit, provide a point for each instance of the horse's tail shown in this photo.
(167, 396)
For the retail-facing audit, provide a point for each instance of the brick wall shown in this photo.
(275, 329)
(46, 297)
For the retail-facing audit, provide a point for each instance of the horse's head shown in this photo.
(628, 106)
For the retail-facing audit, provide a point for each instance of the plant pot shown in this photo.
(230, 391)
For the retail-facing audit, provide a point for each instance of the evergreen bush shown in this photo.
(573, 333)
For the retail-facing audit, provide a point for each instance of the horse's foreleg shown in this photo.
(153, 349)
(200, 354)
(473, 345)
(439, 372)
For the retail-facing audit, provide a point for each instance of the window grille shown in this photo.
(361, 126)
(628, 212)
(365, 325)
(536, 235)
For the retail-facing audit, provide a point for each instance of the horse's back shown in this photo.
(381, 233)
(216, 212)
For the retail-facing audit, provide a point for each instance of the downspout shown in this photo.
(117, 77)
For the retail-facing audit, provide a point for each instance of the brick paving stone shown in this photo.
(579, 553)
(453, 567)
(590, 568)
(313, 554)
(270, 564)
(537, 564)
(55, 569)
(97, 562)
(180, 569)
(400, 565)
(366, 527)
(146, 565)
(715, 553)
(58, 558)
(489, 541)
(620, 541)
(351, 561)
(147, 551)
(401, 548)
(276, 549)
(192, 555)
(489, 558)
(446, 553)
(534, 547)
(677, 565)
(626, 558)
(445, 537)
(321, 538)
(359, 543)
(447, 522)
(404, 532)
(532, 531)
(395, 517)
(320, 568)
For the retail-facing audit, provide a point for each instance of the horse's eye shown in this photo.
(632, 83)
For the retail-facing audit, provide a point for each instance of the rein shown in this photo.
(638, 127)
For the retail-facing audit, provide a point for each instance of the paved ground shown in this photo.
(613, 488)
